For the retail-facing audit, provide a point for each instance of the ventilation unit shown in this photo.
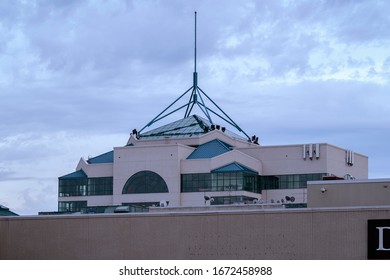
(164, 203)
(309, 150)
(350, 157)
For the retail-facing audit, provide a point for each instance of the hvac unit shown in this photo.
(350, 157)
(164, 203)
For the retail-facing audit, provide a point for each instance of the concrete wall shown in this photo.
(163, 160)
(288, 159)
(337, 163)
(95, 170)
(372, 192)
(256, 234)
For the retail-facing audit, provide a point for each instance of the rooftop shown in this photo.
(103, 158)
(188, 127)
(210, 149)
(4, 211)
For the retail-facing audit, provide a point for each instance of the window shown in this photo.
(216, 182)
(145, 182)
(237, 181)
(85, 186)
(100, 186)
(72, 187)
(291, 181)
(71, 206)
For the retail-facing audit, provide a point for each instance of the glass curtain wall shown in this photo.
(229, 181)
(85, 186)
(237, 181)
(71, 206)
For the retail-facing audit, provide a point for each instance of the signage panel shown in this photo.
(378, 239)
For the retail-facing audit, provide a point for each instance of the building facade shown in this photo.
(192, 162)
(271, 234)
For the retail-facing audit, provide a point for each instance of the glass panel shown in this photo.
(293, 181)
(100, 186)
(145, 182)
(238, 181)
(72, 187)
(181, 128)
(71, 206)
(83, 187)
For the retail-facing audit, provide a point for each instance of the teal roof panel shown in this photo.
(233, 167)
(4, 211)
(187, 127)
(75, 175)
(210, 149)
(103, 158)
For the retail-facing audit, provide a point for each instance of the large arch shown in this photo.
(145, 182)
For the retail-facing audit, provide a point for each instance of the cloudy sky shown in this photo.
(77, 76)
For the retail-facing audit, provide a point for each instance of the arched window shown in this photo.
(145, 182)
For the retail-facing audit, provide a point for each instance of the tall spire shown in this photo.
(195, 47)
(196, 98)
(195, 90)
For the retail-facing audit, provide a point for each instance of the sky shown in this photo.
(77, 76)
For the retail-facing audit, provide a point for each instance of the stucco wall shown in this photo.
(349, 193)
(288, 159)
(162, 160)
(261, 234)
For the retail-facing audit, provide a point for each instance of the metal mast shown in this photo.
(196, 98)
(195, 90)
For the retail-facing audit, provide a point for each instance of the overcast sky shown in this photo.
(77, 76)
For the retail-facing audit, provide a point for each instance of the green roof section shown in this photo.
(210, 149)
(103, 158)
(80, 174)
(4, 211)
(187, 127)
(233, 167)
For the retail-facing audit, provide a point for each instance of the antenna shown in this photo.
(195, 89)
(195, 47)
(196, 98)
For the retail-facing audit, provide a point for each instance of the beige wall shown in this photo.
(164, 160)
(336, 163)
(288, 159)
(349, 193)
(260, 234)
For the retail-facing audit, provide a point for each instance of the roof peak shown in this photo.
(190, 126)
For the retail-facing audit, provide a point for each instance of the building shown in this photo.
(191, 162)
(196, 161)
